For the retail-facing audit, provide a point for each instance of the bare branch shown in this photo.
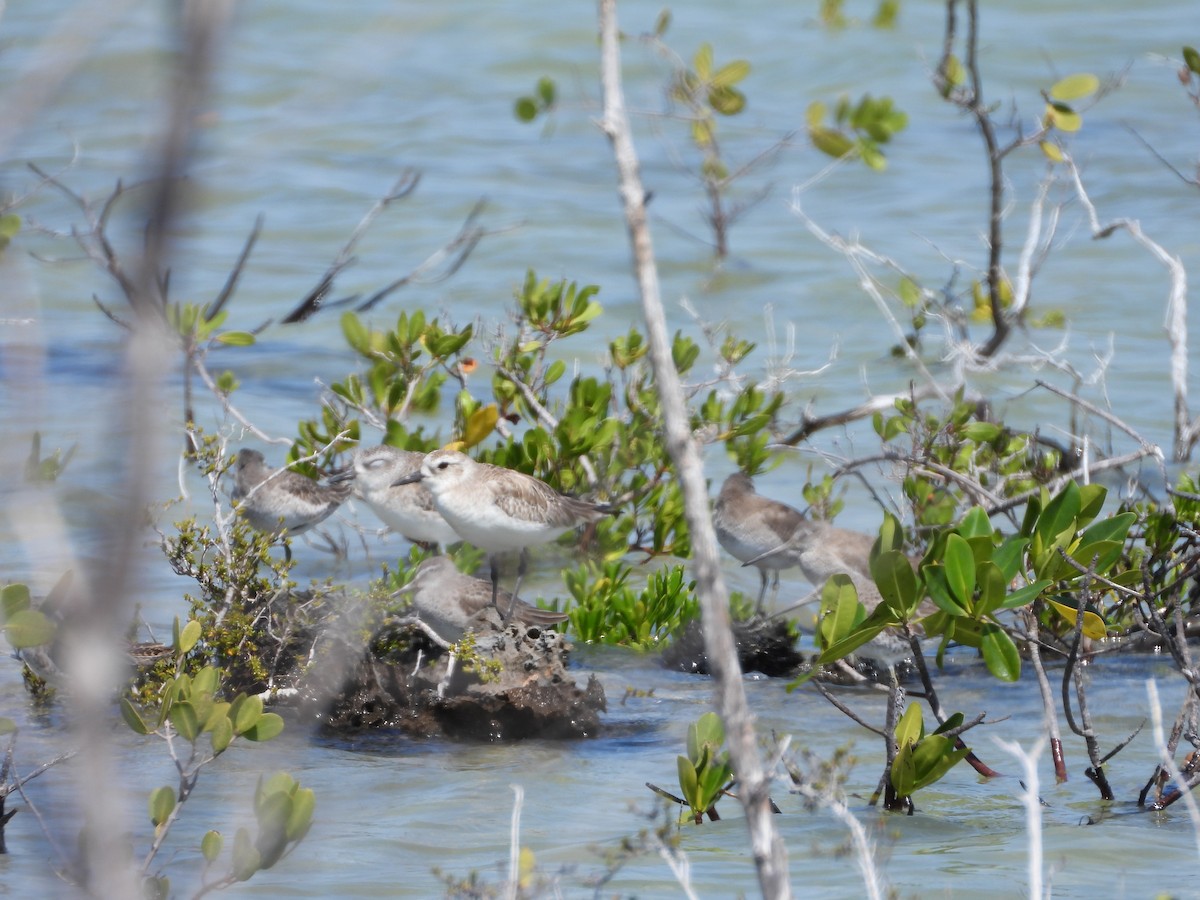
(770, 855)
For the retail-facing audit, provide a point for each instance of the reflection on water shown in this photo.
(316, 113)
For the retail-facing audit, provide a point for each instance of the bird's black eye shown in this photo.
(444, 464)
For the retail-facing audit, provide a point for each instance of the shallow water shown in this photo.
(316, 113)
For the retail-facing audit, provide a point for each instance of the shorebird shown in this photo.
(276, 501)
(499, 509)
(450, 602)
(407, 509)
(772, 536)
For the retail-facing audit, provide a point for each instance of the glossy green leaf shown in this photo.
(910, 728)
(976, 522)
(904, 771)
(1000, 653)
(960, 570)
(896, 581)
(940, 593)
(993, 589)
(841, 610)
(688, 784)
(1073, 87)
(1024, 595)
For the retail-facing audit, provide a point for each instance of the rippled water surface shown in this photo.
(317, 109)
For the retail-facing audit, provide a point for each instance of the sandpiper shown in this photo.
(275, 501)
(499, 509)
(407, 509)
(773, 536)
(450, 602)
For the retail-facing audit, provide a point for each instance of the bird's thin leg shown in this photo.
(495, 566)
(775, 588)
(762, 591)
(521, 567)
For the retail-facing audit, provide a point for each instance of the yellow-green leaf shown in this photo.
(235, 338)
(830, 142)
(162, 802)
(210, 845)
(188, 637)
(480, 424)
(731, 73)
(28, 628)
(1052, 151)
(1093, 625)
(1081, 84)
(910, 727)
(1063, 118)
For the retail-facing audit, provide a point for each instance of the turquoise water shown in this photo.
(316, 112)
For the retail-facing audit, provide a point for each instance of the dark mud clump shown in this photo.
(505, 684)
(763, 645)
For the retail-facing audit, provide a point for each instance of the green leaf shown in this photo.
(185, 719)
(731, 73)
(976, 522)
(993, 588)
(1000, 653)
(235, 338)
(702, 62)
(188, 637)
(830, 142)
(246, 858)
(546, 90)
(245, 712)
(210, 846)
(222, 734)
(13, 599)
(162, 803)
(1027, 594)
(841, 610)
(1075, 86)
(1063, 118)
(894, 577)
(304, 801)
(910, 727)
(525, 109)
(269, 725)
(132, 717)
(960, 570)
(1192, 59)
(10, 224)
(904, 772)
(939, 590)
(688, 783)
(28, 628)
